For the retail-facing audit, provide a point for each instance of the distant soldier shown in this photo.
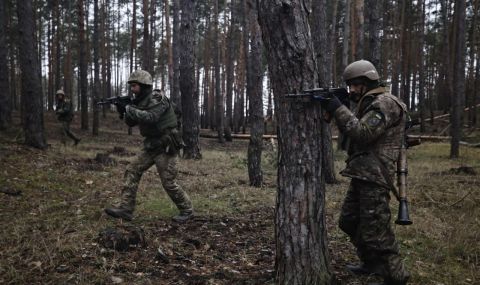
(64, 113)
(158, 125)
(375, 132)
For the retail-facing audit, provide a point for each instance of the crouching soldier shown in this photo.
(157, 122)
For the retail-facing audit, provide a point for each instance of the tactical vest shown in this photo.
(376, 161)
(65, 107)
(166, 122)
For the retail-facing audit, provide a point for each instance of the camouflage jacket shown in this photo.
(155, 118)
(375, 132)
(64, 110)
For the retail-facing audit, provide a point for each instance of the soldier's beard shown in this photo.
(144, 91)
(355, 97)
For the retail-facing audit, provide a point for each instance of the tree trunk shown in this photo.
(321, 44)
(471, 79)
(96, 67)
(102, 86)
(175, 84)
(358, 29)
(445, 77)
(168, 40)
(68, 64)
(333, 39)
(206, 77)
(346, 35)
(231, 51)
(83, 65)
(421, 67)
(219, 110)
(459, 78)
(301, 251)
(255, 94)
(374, 18)
(146, 57)
(188, 90)
(50, 91)
(5, 104)
(31, 96)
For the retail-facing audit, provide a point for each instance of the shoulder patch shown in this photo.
(374, 119)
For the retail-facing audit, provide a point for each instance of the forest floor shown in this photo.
(52, 201)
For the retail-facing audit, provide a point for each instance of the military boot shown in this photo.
(183, 216)
(363, 269)
(119, 213)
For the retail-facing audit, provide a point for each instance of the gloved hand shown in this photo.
(343, 96)
(121, 109)
(329, 103)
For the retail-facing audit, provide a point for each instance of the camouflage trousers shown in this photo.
(167, 170)
(366, 218)
(66, 132)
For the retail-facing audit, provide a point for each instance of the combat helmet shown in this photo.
(360, 68)
(141, 77)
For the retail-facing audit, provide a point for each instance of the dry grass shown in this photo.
(53, 225)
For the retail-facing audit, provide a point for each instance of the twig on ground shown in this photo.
(461, 199)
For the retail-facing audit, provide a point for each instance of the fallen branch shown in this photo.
(469, 144)
(461, 199)
(269, 137)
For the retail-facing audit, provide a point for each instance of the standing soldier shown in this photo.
(64, 113)
(375, 132)
(157, 122)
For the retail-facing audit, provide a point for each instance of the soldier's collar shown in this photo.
(378, 90)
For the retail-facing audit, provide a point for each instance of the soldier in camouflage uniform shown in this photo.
(64, 112)
(158, 125)
(375, 132)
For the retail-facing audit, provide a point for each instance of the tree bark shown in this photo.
(168, 39)
(207, 107)
(82, 65)
(358, 29)
(5, 104)
(459, 78)
(146, 56)
(96, 67)
(231, 51)
(255, 94)
(301, 251)
(324, 63)
(421, 67)
(188, 90)
(31, 88)
(220, 108)
(175, 84)
(374, 21)
(471, 79)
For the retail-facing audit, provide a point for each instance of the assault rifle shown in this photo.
(321, 94)
(117, 100)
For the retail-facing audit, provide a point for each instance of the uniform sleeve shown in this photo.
(149, 116)
(380, 115)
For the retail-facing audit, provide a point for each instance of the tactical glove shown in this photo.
(342, 95)
(121, 109)
(329, 103)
